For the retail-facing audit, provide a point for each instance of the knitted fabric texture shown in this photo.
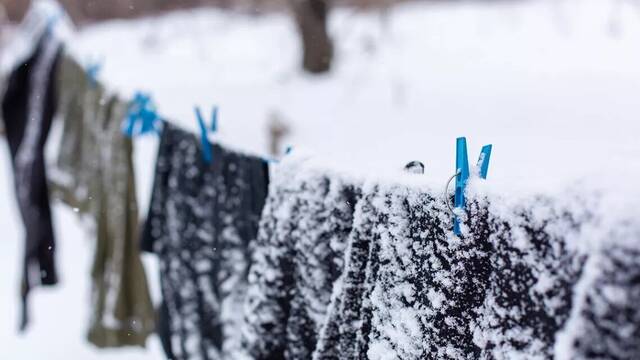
(297, 260)
(202, 222)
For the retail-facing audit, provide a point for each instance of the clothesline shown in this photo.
(301, 261)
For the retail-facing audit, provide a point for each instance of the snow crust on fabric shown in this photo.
(406, 288)
(605, 322)
(202, 221)
(298, 257)
(534, 266)
(412, 290)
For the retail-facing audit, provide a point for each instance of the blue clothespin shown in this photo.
(142, 117)
(483, 161)
(214, 119)
(92, 70)
(462, 174)
(207, 151)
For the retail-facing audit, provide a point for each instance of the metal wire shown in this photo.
(446, 192)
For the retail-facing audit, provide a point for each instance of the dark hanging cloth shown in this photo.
(411, 290)
(605, 320)
(403, 286)
(298, 258)
(202, 223)
(27, 109)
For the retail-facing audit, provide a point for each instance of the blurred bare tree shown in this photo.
(317, 47)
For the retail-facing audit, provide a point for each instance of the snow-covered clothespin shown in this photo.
(462, 174)
(207, 151)
(142, 117)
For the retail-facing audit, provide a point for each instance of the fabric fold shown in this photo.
(298, 257)
(94, 176)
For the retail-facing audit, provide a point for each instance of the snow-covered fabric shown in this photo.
(412, 290)
(28, 106)
(202, 222)
(605, 321)
(94, 176)
(298, 257)
(407, 288)
(534, 266)
(348, 322)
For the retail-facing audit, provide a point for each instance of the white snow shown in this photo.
(552, 84)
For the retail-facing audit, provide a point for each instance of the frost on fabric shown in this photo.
(533, 269)
(202, 223)
(297, 259)
(410, 289)
(605, 321)
(406, 293)
(501, 291)
(348, 323)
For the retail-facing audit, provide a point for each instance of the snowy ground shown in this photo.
(552, 84)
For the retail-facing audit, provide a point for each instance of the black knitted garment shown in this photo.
(412, 290)
(605, 321)
(202, 221)
(298, 257)
(405, 287)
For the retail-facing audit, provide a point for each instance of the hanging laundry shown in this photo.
(28, 106)
(402, 285)
(94, 175)
(535, 264)
(298, 257)
(202, 223)
(412, 290)
(344, 335)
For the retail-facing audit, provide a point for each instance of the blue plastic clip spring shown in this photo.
(142, 117)
(207, 151)
(462, 174)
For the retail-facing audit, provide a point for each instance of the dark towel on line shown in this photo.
(202, 222)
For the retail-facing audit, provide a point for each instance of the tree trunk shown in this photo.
(311, 17)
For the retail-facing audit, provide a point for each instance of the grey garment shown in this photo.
(202, 223)
(298, 257)
(94, 175)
